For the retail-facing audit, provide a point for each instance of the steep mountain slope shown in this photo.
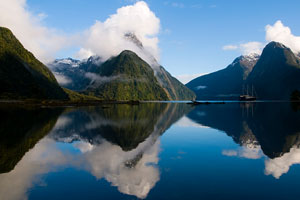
(174, 88)
(125, 77)
(226, 83)
(277, 73)
(22, 76)
(78, 75)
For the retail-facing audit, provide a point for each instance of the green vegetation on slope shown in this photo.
(174, 88)
(75, 96)
(22, 76)
(126, 77)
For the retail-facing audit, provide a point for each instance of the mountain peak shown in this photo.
(66, 61)
(274, 45)
(249, 59)
(132, 37)
(127, 52)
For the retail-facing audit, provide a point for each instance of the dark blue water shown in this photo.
(151, 151)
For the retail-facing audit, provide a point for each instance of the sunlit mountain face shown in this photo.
(149, 150)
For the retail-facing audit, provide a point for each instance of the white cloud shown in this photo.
(107, 39)
(62, 80)
(246, 48)
(185, 78)
(277, 32)
(283, 34)
(43, 158)
(42, 41)
(254, 152)
(281, 165)
(229, 153)
(251, 47)
(108, 161)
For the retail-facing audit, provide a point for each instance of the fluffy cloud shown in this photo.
(62, 80)
(105, 39)
(281, 165)
(43, 42)
(251, 47)
(283, 34)
(246, 48)
(109, 161)
(277, 32)
(108, 39)
(245, 152)
(42, 159)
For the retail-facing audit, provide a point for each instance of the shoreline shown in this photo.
(66, 103)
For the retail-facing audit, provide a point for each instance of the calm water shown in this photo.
(151, 151)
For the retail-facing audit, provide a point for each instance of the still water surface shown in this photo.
(151, 151)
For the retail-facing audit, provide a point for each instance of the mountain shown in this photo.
(124, 125)
(20, 130)
(174, 88)
(22, 76)
(273, 127)
(125, 77)
(83, 76)
(70, 73)
(226, 83)
(276, 74)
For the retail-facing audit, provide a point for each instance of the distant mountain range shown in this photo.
(274, 76)
(226, 83)
(123, 77)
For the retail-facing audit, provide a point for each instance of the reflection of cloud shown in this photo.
(108, 161)
(281, 165)
(186, 122)
(245, 152)
(62, 122)
(229, 153)
(83, 146)
(133, 172)
(40, 160)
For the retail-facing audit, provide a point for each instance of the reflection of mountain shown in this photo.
(20, 130)
(119, 144)
(273, 126)
(124, 125)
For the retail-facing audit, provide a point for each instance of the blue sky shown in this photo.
(192, 33)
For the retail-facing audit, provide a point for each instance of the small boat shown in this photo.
(194, 102)
(246, 96)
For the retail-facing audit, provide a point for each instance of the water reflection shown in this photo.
(261, 129)
(118, 143)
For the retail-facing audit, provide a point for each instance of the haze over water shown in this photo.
(151, 151)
